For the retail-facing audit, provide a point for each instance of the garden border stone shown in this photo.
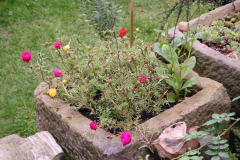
(70, 128)
(211, 63)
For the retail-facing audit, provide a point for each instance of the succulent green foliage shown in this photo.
(206, 36)
(217, 40)
(218, 23)
(216, 29)
(105, 78)
(229, 24)
(102, 14)
(234, 45)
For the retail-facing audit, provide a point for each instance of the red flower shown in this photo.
(126, 138)
(26, 56)
(57, 45)
(93, 125)
(122, 32)
(143, 79)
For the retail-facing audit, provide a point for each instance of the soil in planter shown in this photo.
(226, 42)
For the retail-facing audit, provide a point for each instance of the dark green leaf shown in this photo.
(234, 99)
(187, 45)
(223, 141)
(223, 146)
(193, 152)
(177, 42)
(227, 118)
(223, 115)
(184, 158)
(215, 116)
(219, 131)
(222, 125)
(194, 132)
(211, 152)
(223, 154)
(221, 119)
(171, 97)
(163, 43)
(213, 146)
(212, 121)
(171, 82)
(189, 63)
(213, 132)
(161, 71)
(190, 82)
(231, 114)
(215, 158)
(197, 157)
(216, 125)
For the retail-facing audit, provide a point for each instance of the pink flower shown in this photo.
(143, 79)
(132, 58)
(122, 32)
(110, 78)
(26, 56)
(57, 45)
(126, 138)
(93, 125)
(57, 72)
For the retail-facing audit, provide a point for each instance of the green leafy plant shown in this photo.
(102, 14)
(175, 73)
(216, 144)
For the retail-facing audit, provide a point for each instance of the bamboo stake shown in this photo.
(131, 28)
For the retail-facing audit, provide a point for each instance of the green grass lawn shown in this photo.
(25, 25)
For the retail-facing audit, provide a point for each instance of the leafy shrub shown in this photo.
(101, 13)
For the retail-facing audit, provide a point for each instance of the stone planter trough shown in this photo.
(211, 63)
(70, 128)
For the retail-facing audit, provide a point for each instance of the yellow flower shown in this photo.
(64, 81)
(137, 29)
(66, 48)
(52, 92)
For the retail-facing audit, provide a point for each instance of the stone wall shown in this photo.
(70, 128)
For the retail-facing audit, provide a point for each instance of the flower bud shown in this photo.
(137, 29)
(52, 92)
(64, 81)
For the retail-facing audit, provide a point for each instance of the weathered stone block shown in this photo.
(40, 146)
(70, 128)
(211, 63)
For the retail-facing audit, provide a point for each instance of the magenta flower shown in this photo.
(57, 72)
(26, 56)
(93, 125)
(57, 45)
(110, 78)
(126, 138)
(143, 79)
